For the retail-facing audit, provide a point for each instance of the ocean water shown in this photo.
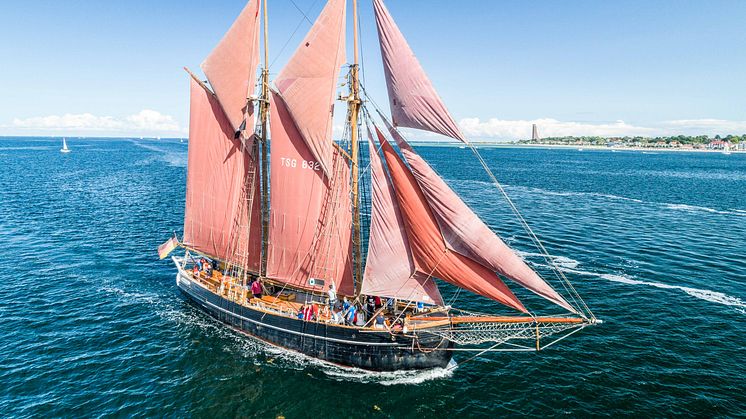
(91, 322)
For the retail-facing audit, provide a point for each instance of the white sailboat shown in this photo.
(64, 148)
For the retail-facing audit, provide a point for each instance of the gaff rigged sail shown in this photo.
(413, 99)
(231, 66)
(390, 269)
(219, 178)
(308, 81)
(310, 216)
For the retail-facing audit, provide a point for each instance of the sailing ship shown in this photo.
(64, 148)
(318, 226)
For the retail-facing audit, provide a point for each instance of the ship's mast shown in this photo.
(264, 107)
(354, 109)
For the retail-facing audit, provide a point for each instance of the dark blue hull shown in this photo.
(347, 346)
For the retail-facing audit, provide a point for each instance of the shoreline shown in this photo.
(602, 147)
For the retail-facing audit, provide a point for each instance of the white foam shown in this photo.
(702, 294)
(560, 261)
(695, 208)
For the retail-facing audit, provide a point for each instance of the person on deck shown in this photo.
(370, 305)
(350, 317)
(380, 321)
(332, 295)
(256, 288)
(378, 302)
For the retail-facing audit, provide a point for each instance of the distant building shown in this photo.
(719, 145)
(535, 133)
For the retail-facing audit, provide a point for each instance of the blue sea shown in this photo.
(92, 324)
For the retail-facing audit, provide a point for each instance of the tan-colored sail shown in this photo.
(218, 180)
(390, 270)
(308, 81)
(231, 66)
(412, 97)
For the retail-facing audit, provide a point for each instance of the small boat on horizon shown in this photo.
(64, 148)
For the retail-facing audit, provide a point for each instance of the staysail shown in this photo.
(465, 233)
(308, 81)
(310, 217)
(390, 270)
(413, 99)
(219, 177)
(431, 255)
(231, 66)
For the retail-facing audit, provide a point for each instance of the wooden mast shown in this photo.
(354, 107)
(264, 107)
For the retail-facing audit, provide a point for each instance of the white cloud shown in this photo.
(501, 129)
(149, 120)
(144, 122)
(521, 129)
(707, 126)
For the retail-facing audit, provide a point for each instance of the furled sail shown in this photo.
(413, 99)
(310, 215)
(465, 233)
(219, 178)
(308, 81)
(431, 255)
(231, 66)
(390, 269)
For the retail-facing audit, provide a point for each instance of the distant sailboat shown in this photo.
(64, 148)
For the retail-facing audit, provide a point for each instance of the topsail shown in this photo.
(413, 99)
(231, 66)
(309, 81)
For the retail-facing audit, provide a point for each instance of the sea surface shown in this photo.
(92, 324)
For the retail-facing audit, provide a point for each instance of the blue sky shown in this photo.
(574, 67)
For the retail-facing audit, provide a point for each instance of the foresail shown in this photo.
(389, 269)
(219, 178)
(308, 82)
(465, 233)
(310, 215)
(412, 97)
(231, 66)
(431, 255)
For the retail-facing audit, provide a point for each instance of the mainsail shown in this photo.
(390, 269)
(309, 232)
(231, 66)
(219, 178)
(413, 99)
(309, 80)
(431, 255)
(465, 233)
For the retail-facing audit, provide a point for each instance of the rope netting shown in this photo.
(482, 332)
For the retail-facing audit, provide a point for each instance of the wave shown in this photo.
(702, 294)
(666, 205)
(173, 158)
(695, 208)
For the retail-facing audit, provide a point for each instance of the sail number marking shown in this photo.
(304, 164)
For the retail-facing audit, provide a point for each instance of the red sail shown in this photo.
(431, 255)
(390, 269)
(413, 99)
(309, 81)
(231, 66)
(465, 233)
(309, 232)
(219, 178)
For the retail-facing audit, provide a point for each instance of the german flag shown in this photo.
(168, 247)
